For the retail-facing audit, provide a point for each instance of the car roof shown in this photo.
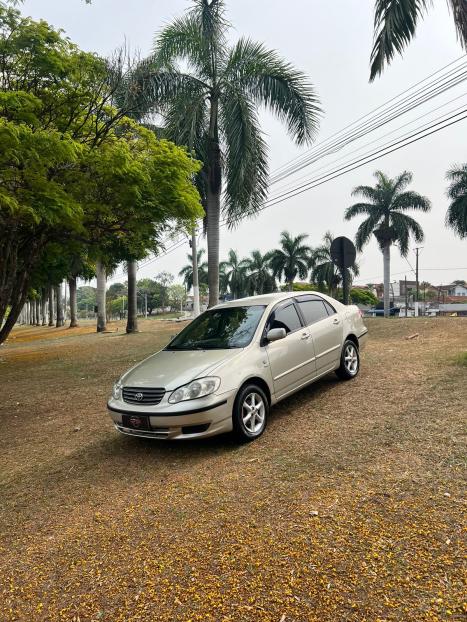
(264, 299)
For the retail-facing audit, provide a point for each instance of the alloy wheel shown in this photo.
(351, 359)
(253, 413)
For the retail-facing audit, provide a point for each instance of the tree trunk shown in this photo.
(213, 206)
(387, 276)
(132, 312)
(213, 217)
(51, 305)
(194, 254)
(73, 302)
(290, 286)
(101, 297)
(43, 306)
(37, 304)
(59, 312)
(32, 313)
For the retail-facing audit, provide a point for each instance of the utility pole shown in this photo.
(194, 255)
(145, 305)
(417, 252)
(406, 298)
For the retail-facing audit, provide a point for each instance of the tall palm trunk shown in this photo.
(213, 204)
(101, 296)
(387, 276)
(132, 314)
(51, 305)
(73, 302)
(194, 255)
(43, 306)
(59, 313)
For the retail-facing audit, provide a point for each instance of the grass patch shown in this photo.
(461, 359)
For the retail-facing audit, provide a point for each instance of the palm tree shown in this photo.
(260, 279)
(212, 109)
(234, 270)
(456, 216)
(292, 259)
(396, 23)
(386, 219)
(187, 271)
(325, 273)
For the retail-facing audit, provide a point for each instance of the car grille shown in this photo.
(137, 395)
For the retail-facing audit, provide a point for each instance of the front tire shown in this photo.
(250, 413)
(350, 361)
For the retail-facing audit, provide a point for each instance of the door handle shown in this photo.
(305, 335)
(336, 320)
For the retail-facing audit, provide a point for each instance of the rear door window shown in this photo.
(312, 309)
(285, 317)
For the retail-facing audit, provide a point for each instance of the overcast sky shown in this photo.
(333, 47)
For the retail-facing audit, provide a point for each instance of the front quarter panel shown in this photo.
(251, 363)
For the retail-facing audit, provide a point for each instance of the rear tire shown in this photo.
(250, 413)
(350, 361)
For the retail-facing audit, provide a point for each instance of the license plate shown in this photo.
(136, 422)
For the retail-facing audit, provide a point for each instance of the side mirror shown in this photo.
(275, 334)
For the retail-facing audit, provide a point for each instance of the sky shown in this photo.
(331, 43)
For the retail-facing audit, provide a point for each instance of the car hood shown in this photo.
(170, 368)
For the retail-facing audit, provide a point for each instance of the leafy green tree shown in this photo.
(187, 271)
(176, 296)
(396, 23)
(259, 277)
(291, 259)
(73, 168)
(209, 94)
(86, 298)
(456, 217)
(150, 292)
(324, 271)
(234, 271)
(386, 220)
(363, 297)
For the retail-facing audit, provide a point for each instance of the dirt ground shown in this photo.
(349, 507)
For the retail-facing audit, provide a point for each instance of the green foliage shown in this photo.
(187, 271)
(388, 201)
(456, 216)
(363, 297)
(292, 259)
(176, 295)
(80, 180)
(86, 298)
(325, 273)
(300, 287)
(395, 25)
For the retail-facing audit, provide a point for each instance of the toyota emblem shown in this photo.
(139, 396)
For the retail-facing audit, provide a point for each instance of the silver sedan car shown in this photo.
(224, 370)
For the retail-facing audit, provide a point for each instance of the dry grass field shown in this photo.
(349, 507)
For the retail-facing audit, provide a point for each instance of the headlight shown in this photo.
(117, 391)
(198, 388)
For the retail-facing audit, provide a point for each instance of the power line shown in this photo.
(441, 84)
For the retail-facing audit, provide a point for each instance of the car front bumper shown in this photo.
(185, 420)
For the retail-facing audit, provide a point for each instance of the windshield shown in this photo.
(217, 329)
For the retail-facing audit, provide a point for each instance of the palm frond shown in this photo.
(411, 200)
(459, 11)
(395, 23)
(364, 231)
(404, 226)
(359, 208)
(276, 84)
(245, 155)
(182, 39)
